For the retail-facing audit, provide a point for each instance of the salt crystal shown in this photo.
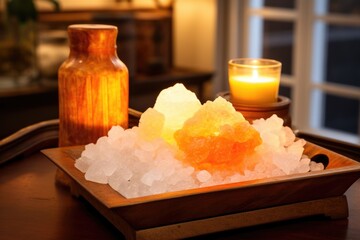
(271, 139)
(177, 104)
(289, 136)
(143, 155)
(314, 166)
(305, 161)
(279, 144)
(129, 138)
(152, 145)
(217, 138)
(99, 171)
(125, 173)
(115, 133)
(90, 151)
(183, 183)
(96, 174)
(130, 190)
(82, 164)
(203, 176)
(260, 167)
(154, 174)
(120, 178)
(237, 177)
(174, 180)
(167, 166)
(296, 149)
(102, 142)
(182, 179)
(303, 166)
(158, 187)
(151, 124)
(275, 123)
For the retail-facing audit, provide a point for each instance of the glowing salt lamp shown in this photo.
(218, 138)
(254, 81)
(177, 104)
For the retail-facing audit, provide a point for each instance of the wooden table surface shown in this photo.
(32, 206)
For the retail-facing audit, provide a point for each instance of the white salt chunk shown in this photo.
(83, 164)
(289, 136)
(96, 175)
(90, 152)
(303, 166)
(154, 174)
(115, 133)
(237, 177)
(99, 171)
(203, 176)
(158, 187)
(314, 166)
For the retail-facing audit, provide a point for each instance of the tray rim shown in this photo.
(121, 201)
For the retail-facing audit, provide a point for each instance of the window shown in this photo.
(318, 43)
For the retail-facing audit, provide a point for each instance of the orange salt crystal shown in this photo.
(217, 138)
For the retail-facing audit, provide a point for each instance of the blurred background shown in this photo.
(168, 41)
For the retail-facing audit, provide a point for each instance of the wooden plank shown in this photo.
(334, 208)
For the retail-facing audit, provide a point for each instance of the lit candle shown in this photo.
(254, 81)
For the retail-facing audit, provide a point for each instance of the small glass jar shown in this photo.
(254, 81)
(93, 85)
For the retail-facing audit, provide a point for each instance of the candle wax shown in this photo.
(250, 90)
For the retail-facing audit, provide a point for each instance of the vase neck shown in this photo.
(92, 39)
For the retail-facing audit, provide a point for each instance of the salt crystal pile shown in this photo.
(280, 147)
(133, 166)
(143, 160)
(280, 153)
(161, 155)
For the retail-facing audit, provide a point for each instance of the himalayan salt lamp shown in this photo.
(177, 104)
(217, 138)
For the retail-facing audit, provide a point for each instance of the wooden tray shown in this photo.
(205, 210)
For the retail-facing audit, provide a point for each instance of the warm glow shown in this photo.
(252, 89)
(217, 138)
(176, 104)
(211, 137)
(254, 84)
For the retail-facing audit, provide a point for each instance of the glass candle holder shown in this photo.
(254, 81)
